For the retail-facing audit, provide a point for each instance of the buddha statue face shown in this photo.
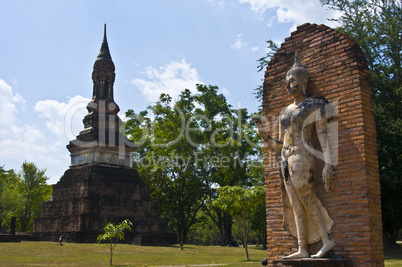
(297, 79)
(294, 85)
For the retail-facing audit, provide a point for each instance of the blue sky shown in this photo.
(47, 51)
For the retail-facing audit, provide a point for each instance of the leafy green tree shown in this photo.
(10, 197)
(204, 232)
(241, 202)
(259, 224)
(234, 142)
(113, 234)
(165, 160)
(376, 25)
(190, 148)
(34, 190)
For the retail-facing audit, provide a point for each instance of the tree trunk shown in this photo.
(264, 241)
(227, 229)
(111, 256)
(221, 236)
(224, 224)
(184, 238)
(179, 235)
(245, 232)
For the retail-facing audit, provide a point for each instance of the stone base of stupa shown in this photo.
(89, 196)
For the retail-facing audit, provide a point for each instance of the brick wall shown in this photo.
(338, 72)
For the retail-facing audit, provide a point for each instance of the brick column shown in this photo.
(338, 72)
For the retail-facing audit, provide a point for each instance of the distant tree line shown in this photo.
(21, 196)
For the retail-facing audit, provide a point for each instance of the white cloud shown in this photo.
(8, 101)
(43, 140)
(19, 149)
(293, 11)
(226, 92)
(260, 6)
(218, 3)
(239, 43)
(271, 21)
(9, 128)
(170, 79)
(20, 142)
(63, 118)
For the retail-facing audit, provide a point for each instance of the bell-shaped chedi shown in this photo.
(100, 186)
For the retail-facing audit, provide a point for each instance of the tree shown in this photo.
(241, 202)
(22, 194)
(34, 190)
(272, 47)
(165, 160)
(10, 197)
(376, 25)
(190, 148)
(234, 142)
(113, 234)
(204, 232)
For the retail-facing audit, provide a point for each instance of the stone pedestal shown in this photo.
(88, 197)
(308, 262)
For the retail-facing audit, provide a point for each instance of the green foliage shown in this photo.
(32, 185)
(376, 25)
(113, 234)
(191, 147)
(241, 202)
(204, 232)
(22, 196)
(10, 197)
(272, 47)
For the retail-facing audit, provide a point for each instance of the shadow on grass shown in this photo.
(178, 247)
(393, 251)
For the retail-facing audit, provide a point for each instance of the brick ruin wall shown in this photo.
(338, 72)
(88, 197)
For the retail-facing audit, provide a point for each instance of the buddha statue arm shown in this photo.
(321, 128)
(273, 144)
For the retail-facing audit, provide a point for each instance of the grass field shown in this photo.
(71, 254)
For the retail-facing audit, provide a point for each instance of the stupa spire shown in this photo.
(102, 139)
(103, 74)
(104, 53)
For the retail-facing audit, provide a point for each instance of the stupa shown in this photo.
(101, 186)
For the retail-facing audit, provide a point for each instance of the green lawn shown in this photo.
(71, 254)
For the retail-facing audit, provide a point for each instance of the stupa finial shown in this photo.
(104, 53)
